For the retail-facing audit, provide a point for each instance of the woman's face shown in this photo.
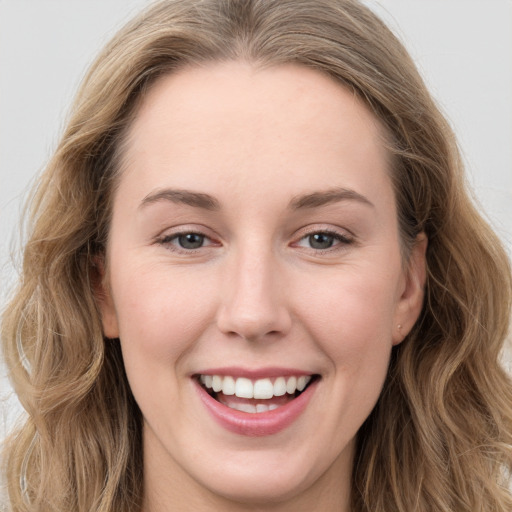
(254, 250)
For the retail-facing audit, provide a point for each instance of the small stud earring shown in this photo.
(399, 326)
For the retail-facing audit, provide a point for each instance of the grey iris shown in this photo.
(191, 241)
(321, 240)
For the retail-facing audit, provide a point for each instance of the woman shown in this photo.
(255, 280)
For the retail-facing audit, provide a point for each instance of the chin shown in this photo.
(259, 487)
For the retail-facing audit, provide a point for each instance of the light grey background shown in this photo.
(463, 48)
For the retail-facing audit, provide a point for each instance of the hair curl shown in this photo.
(440, 435)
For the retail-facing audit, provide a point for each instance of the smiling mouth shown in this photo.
(255, 395)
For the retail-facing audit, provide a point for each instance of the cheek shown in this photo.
(161, 314)
(352, 317)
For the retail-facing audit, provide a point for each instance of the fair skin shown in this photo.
(288, 264)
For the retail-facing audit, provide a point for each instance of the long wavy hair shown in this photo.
(440, 436)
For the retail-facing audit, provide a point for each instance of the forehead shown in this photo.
(236, 121)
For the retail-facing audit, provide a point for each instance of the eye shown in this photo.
(190, 240)
(323, 240)
(185, 241)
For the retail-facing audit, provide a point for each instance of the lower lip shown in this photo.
(257, 424)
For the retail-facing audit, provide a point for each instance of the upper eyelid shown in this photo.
(337, 231)
(183, 229)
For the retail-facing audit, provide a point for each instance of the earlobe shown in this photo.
(411, 300)
(103, 297)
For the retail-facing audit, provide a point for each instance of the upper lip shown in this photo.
(254, 373)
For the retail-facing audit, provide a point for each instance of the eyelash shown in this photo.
(342, 241)
(168, 240)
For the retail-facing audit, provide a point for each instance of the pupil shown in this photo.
(191, 241)
(321, 241)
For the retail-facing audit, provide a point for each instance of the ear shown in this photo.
(410, 303)
(103, 296)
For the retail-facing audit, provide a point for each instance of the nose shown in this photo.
(253, 305)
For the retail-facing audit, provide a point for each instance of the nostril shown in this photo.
(253, 324)
(252, 304)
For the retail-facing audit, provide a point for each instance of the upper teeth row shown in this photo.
(261, 388)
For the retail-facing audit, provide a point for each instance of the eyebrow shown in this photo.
(208, 202)
(187, 197)
(332, 195)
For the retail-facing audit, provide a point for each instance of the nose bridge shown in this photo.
(253, 304)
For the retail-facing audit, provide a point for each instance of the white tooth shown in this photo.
(271, 407)
(208, 381)
(201, 379)
(245, 408)
(244, 388)
(291, 385)
(262, 408)
(263, 389)
(217, 383)
(280, 386)
(228, 385)
(302, 381)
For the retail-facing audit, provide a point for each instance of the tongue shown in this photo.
(232, 400)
